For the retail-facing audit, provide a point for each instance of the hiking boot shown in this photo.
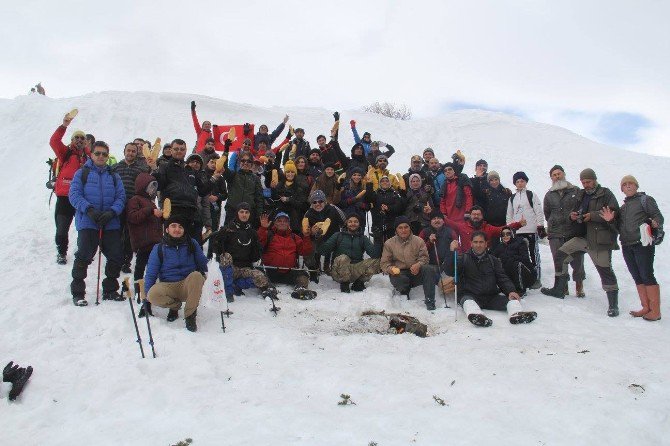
(112, 295)
(79, 301)
(523, 317)
(61, 259)
(558, 290)
(303, 293)
(579, 288)
(126, 268)
(190, 322)
(358, 285)
(230, 298)
(172, 315)
(237, 291)
(344, 287)
(613, 301)
(430, 305)
(480, 320)
(269, 291)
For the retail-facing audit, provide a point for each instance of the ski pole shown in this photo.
(97, 291)
(223, 324)
(145, 306)
(439, 277)
(125, 289)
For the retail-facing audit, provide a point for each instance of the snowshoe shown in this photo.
(270, 292)
(523, 317)
(61, 259)
(480, 320)
(172, 315)
(190, 322)
(358, 285)
(19, 381)
(126, 268)
(146, 309)
(344, 287)
(79, 301)
(303, 293)
(112, 295)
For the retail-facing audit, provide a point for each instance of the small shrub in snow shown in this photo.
(346, 399)
(390, 110)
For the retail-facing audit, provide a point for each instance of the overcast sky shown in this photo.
(599, 68)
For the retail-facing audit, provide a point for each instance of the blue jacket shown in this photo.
(102, 192)
(357, 139)
(177, 263)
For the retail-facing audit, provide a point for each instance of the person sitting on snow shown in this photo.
(405, 260)
(348, 247)
(180, 264)
(281, 249)
(513, 254)
(480, 278)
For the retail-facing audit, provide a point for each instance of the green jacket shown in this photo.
(244, 186)
(600, 235)
(352, 245)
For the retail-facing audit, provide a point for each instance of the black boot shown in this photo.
(558, 290)
(61, 259)
(269, 291)
(172, 315)
(480, 320)
(358, 285)
(613, 300)
(430, 305)
(145, 310)
(112, 295)
(190, 322)
(344, 287)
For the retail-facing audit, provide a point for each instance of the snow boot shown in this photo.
(536, 285)
(112, 295)
(480, 320)
(269, 291)
(358, 285)
(145, 309)
(523, 317)
(172, 315)
(303, 293)
(430, 305)
(613, 301)
(190, 322)
(344, 287)
(654, 295)
(558, 289)
(126, 268)
(19, 381)
(61, 259)
(79, 301)
(579, 288)
(644, 300)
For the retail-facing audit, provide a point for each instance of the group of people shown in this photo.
(292, 213)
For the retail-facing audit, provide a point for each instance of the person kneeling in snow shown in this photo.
(237, 244)
(480, 275)
(281, 249)
(348, 247)
(180, 264)
(405, 259)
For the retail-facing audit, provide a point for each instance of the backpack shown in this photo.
(529, 196)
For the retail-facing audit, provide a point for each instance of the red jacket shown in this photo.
(448, 201)
(465, 229)
(66, 165)
(202, 135)
(284, 248)
(144, 227)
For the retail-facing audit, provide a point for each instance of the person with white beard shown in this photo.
(559, 201)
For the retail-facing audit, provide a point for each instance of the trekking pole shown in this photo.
(147, 313)
(126, 290)
(97, 291)
(439, 277)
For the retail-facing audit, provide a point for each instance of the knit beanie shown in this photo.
(317, 195)
(493, 174)
(519, 176)
(243, 205)
(400, 220)
(588, 174)
(429, 149)
(629, 179)
(481, 162)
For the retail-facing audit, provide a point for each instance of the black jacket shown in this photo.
(240, 240)
(479, 276)
(514, 251)
(181, 184)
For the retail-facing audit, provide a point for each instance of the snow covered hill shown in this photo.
(566, 379)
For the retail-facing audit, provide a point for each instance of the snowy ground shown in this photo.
(569, 378)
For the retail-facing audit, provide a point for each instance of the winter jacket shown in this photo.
(350, 201)
(179, 260)
(329, 211)
(332, 153)
(68, 159)
(356, 161)
(268, 138)
(456, 197)
(296, 205)
(353, 245)
(201, 135)
(102, 192)
(632, 214)
(465, 229)
(330, 186)
(206, 156)
(373, 154)
(144, 227)
(283, 247)
(128, 173)
(181, 184)
(495, 205)
(415, 201)
(558, 204)
(391, 198)
(436, 180)
(479, 275)
(244, 186)
(600, 235)
(314, 171)
(479, 185)
(425, 180)
(516, 250)
(445, 235)
(518, 207)
(358, 140)
(375, 174)
(403, 253)
(298, 147)
(240, 241)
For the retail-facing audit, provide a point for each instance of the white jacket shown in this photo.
(518, 206)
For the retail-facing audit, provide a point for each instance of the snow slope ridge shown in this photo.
(566, 379)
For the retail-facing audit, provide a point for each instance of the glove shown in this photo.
(105, 218)
(336, 115)
(93, 214)
(353, 124)
(246, 129)
(226, 144)
(541, 232)
(288, 134)
(192, 105)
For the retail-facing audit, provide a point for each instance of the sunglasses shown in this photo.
(105, 154)
(246, 161)
(317, 202)
(506, 233)
(80, 137)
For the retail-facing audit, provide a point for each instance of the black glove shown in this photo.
(336, 115)
(454, 157)
(246, 129)
(93, 214)
(288, 134)
(192, 105)
(105, 218)
(226, 145)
